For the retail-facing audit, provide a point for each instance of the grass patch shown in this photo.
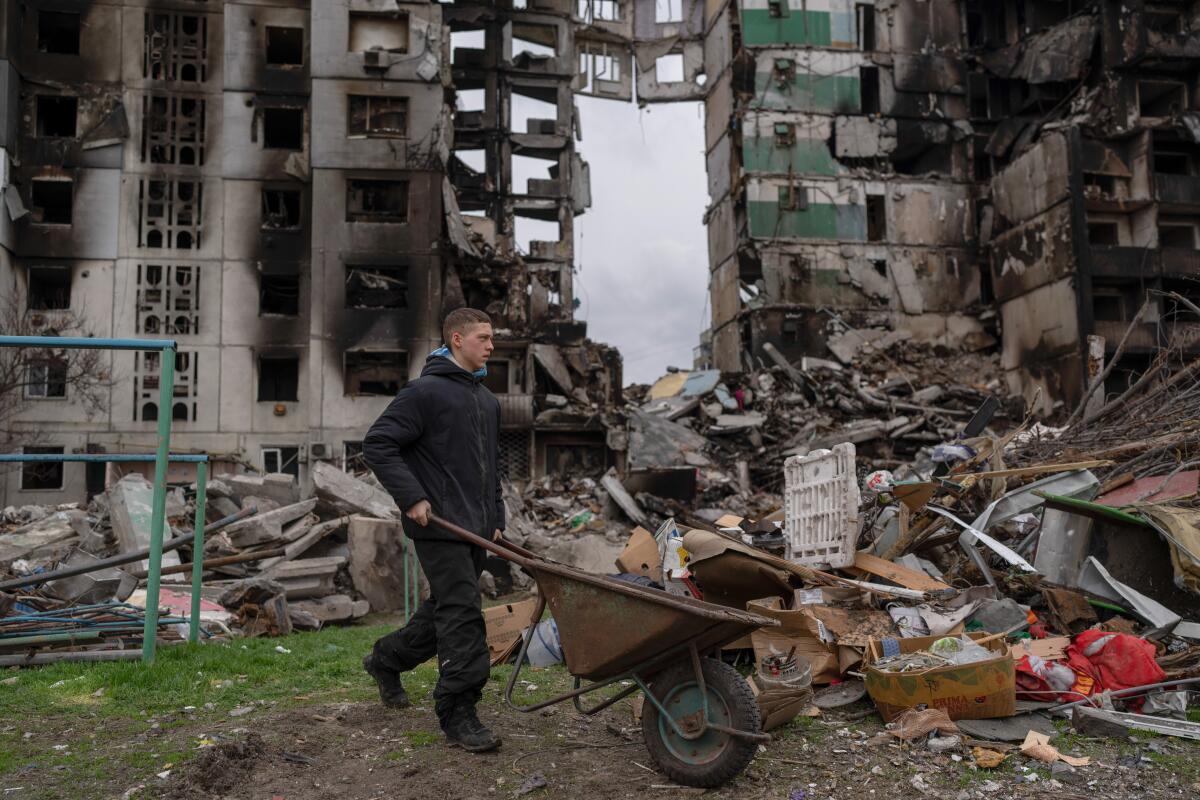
(96, 709)
(422, 738)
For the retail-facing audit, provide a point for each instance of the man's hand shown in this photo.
(498, 535)
(420, 513)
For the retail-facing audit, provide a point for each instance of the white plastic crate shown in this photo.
(821, 507)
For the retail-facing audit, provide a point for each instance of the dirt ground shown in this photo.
(361, 751)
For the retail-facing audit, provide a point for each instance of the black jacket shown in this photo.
(437, 441)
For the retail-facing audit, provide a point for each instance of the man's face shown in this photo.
(473, 346)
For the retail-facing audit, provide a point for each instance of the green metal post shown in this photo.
(416, 579)
(158, 519)
(407, 545)
(198, 549)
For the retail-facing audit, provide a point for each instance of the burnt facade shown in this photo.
(955, 170)
(274, 185)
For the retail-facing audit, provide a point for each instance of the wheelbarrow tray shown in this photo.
(608, 627)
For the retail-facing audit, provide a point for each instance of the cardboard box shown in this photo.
(504, 624)
(640, 556)
(777, 707)
(981, 690)
(797, 629)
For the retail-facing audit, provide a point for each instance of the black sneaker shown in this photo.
(391, 692)
(464, 730)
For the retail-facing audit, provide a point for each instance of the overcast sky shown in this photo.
(641, 250)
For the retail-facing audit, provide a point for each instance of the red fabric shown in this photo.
(1033, 686)
(1121, 662)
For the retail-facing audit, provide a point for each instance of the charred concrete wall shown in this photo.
(839, 174)
(269, 184)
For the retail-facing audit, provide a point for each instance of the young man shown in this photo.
(434, 449)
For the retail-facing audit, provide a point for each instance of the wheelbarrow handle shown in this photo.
(502, 548)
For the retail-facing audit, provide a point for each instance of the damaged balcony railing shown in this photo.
(161, 457)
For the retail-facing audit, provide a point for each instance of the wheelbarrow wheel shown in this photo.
(715, 757)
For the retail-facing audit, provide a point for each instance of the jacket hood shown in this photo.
(439, 362)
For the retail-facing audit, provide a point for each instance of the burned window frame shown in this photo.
(349, 383)
(267, 47)
(33, 203)
(270, 110)
(281, 277)
(168, 132)
(37, 470)
(268, 214)
(32, 297)
(39, 115)
(357, 273)
(288, 382)
(357, 186)
(46, 15)
(358, 121)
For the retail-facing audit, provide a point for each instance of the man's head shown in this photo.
(468, 334)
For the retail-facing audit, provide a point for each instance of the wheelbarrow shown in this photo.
(700, 721)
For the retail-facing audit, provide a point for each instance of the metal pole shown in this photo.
(406, 541)
(158, 519)
(198, 549)
(416, 578)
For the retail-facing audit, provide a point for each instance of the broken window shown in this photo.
(599, 11)
(283, 128)
(1103, 233)
(169, 214)
(173, 130)
(282, 459)
(669, 68)
(375, 372)
(376, 286)
(668, 11)
(868, 81)
(777, 9)
(285, 46)
(1161, 98)
(352, 457)
(369, 200)
(279, 294)
(866, 26)
(876, 218)
(496, 380)
(168, 299)
(281, 209)
(175, 47)
(49, 288)
(370, 31)
(378, 117)
(1108, 304)
(278, 379)
(51, 201)
(1176, 233)
(793, 197)
(56, 115)
(535, 39)
(58, 32)
(37, 475)
(46, 378)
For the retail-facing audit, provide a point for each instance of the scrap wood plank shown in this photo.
(1053, 648)
(896, 573)
(1028, 472)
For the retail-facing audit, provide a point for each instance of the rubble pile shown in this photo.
(891, 397)
(1059, 567)
(274, 561)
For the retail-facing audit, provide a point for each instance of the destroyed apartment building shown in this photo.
(956, 171)
(270, 186)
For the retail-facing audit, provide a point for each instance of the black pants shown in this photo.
(448, 624)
